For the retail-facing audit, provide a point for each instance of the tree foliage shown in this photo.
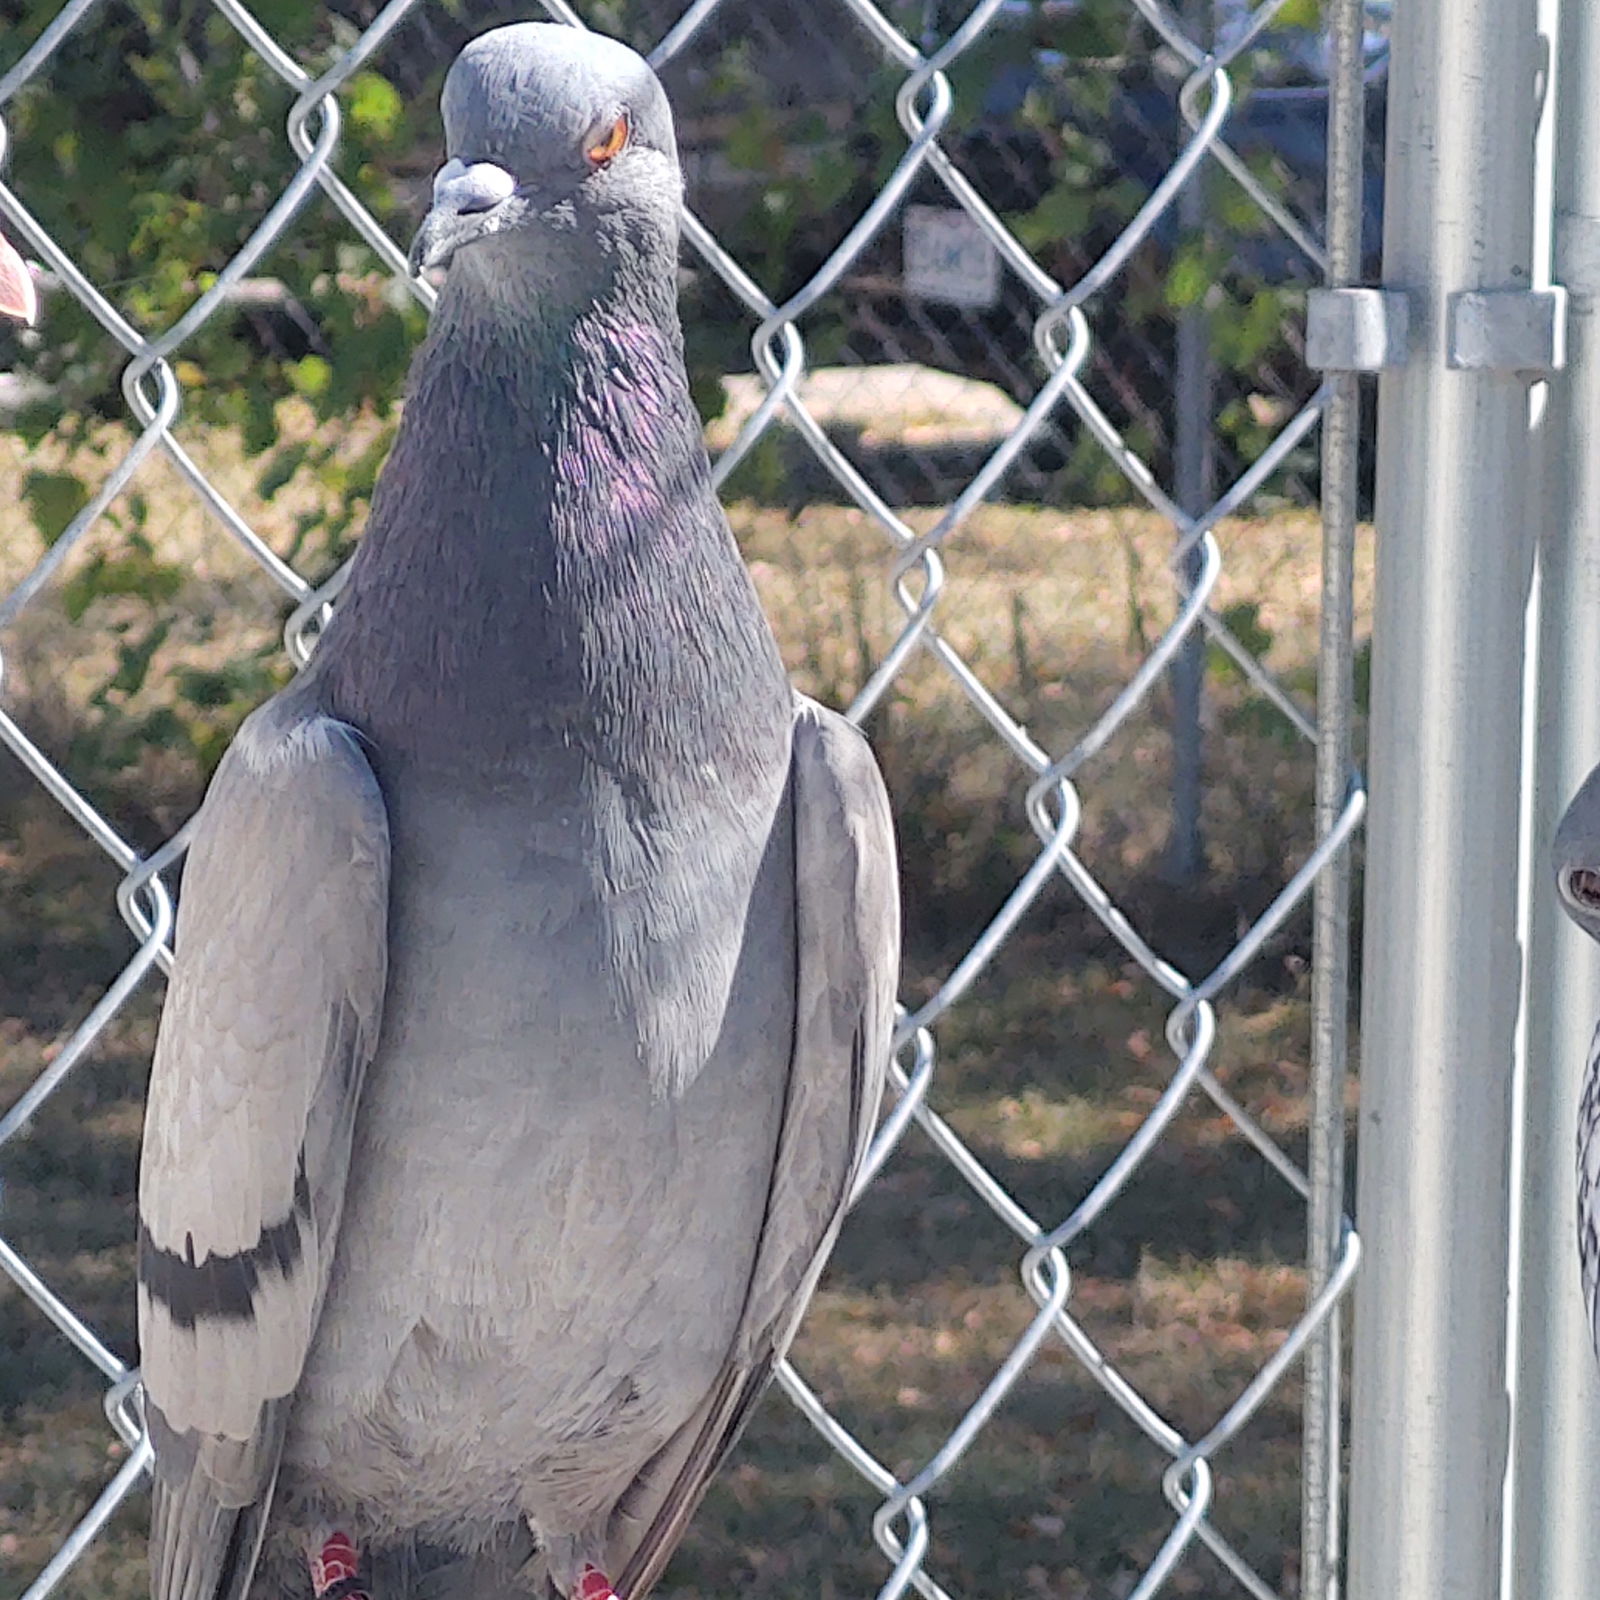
(153, 143)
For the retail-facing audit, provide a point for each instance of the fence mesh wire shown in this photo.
(916, 559)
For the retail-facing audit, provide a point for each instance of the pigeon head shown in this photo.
(1576, 855)
(562, 161)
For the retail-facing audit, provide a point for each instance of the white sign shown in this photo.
(949, 258)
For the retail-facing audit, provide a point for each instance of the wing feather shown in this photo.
(848, 945)
(270, 1022)
(1589, 1189)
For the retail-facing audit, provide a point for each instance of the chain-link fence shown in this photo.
(976, 265)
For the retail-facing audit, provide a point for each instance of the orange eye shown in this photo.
(610, 146)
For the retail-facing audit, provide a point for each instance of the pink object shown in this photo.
(594, 1585)
(17, 297)
(338, 1561)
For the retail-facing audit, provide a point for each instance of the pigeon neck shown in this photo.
(546, 559)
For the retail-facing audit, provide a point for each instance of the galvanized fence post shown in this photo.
(1441, 968)
(1555, 1535)
(1193, 394)
(1330, 934)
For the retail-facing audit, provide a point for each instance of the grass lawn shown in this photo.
(1188, 1282)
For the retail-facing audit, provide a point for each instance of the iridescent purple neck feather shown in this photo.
(546, 562)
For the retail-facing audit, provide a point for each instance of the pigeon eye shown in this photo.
(611, 145)
(1582, 888)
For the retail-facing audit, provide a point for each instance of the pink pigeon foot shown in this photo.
(594, 1585)
(335, 1569)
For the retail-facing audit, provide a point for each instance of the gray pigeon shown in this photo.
(536, 952)
(1576, 854)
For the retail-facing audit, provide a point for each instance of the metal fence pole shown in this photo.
(1556, 1537)
(1192, 397)
(1330, 951)
(1441, 967)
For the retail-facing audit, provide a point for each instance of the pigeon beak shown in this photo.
(466, 206)
(17, 298)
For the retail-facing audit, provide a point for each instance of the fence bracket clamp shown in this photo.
(1356, 330)
(1508, 330)
(1487, 330)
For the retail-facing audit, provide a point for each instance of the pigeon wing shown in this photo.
(848, 948)
(270, 1022)
(1589, 1189)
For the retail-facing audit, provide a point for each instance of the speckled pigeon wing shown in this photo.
(1589, 1189)
(270, 1022)
(848, 947)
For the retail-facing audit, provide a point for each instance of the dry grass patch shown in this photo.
(1186, 1283)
